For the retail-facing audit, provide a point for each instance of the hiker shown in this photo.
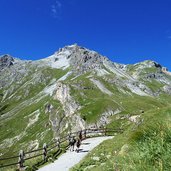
(21, 159)
(80, 135)
(78, 143)
(72, 142)
(45, 152)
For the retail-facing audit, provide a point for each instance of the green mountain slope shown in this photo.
(77, 88)
(140, 147)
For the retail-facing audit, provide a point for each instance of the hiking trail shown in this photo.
(67, 160)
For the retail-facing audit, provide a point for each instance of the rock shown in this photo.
(124, 150)
(157, 65)
(48, 108)
(134, 118)
(108, 156)
(6, 61)
(167, 89)
(63, 95)
(89, 167)
(96, 158)
(105, 117)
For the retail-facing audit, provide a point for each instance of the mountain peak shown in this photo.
(83, 59)
(78, 57)
(75, 45)
(6, 61)
(72, 48)
(148, 64)
(6, 56)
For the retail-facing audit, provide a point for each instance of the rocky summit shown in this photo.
(6, 61)
(73, 89)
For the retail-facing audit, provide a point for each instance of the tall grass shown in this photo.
(149, 150)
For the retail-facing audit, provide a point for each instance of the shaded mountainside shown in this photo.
(73, 89)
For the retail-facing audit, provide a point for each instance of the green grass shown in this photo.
(41, 130)
(154, 85)
(19, 120)
(92, 100)
(128, 151)
(33, 88)
(144, 147)
(142, 72)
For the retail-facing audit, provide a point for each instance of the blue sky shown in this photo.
(125, 31)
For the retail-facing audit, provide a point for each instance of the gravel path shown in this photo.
(69, 159)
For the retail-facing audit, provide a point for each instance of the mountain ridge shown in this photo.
(73, 48)
(73, 89)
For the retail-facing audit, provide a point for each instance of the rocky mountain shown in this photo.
(73, 89)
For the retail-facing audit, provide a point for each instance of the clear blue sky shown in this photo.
(127, 31)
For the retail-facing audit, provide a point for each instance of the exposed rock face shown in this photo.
(105, 117)
(6, 61)
(78, 58)
(157, 65)
(77, 123)
(135, 118)
(101, 86)
(165, 70)
(167, 89)
(58, 122)
(70, 114)
(84, 60)
(63, 95)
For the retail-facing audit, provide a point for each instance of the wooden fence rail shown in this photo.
(29, 155)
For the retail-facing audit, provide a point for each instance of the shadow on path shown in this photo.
(82, 151)
(85, 143)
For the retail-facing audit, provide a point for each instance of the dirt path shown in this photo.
(69, 159)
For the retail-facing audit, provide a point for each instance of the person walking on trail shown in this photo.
(80, 135)
(44, 152)
(21, 159)
(72, 142)
(78, 143)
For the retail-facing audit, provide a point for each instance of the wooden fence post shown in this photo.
(58, 143)
(45, 152)
(21, 159)
(105, 131)
(69, 136)
(85, 136)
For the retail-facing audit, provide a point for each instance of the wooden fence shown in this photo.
(49, 151)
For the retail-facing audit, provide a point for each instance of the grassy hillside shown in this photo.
(144, 147)
(24, 119)
(92, 91)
